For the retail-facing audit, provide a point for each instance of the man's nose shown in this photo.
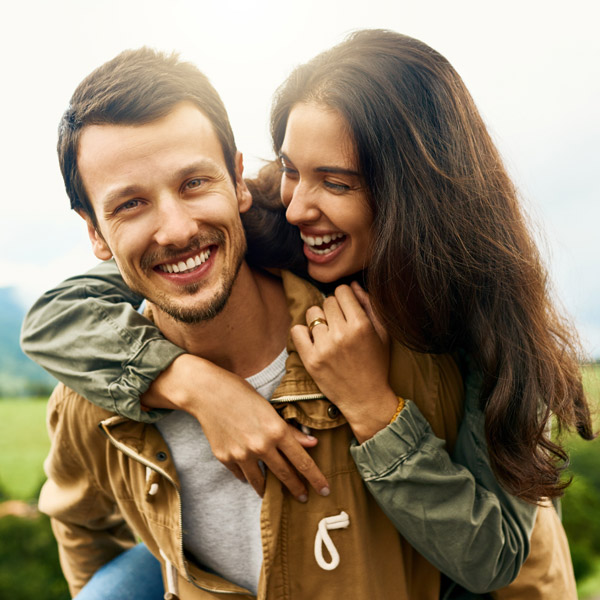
(303, 205)
(176, 224)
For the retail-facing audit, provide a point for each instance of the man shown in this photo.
(162, 192)
(149, 162)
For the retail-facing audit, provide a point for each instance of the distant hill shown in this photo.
(19, 376)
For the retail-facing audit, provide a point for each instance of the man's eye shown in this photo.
(128, 205)
(194, 183)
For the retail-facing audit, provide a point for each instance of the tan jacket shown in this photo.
(100, 478)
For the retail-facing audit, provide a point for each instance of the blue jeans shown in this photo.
(133, 575)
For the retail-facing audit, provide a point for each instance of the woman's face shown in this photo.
(324, 192)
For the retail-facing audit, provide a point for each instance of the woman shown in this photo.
(450, 265)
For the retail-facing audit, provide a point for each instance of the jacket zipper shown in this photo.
(301, 397)
(128, 452)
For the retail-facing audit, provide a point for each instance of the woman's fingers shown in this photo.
(254, 476)
(303, 464)
(365, 302)
(287, 463)
(302, 340)
(239, 474)
(316, 322)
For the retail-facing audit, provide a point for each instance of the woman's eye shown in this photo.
(336, 187)
(288, 172)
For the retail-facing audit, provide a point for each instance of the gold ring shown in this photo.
(316, 322)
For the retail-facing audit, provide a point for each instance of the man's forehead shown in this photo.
(178, 140)
(183, 117)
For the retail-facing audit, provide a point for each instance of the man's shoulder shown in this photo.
(78, 413)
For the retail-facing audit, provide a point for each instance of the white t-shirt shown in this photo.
(221, 515)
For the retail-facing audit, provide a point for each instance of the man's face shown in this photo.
(167, 210)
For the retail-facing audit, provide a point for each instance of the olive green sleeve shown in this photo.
(451, 509)
(87, 333)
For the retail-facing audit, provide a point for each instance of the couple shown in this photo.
(391, 179)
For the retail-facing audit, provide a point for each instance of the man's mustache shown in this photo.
(152, 258)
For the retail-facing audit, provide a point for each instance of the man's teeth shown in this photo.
(315, 241)
(182, 266)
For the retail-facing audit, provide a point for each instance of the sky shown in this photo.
(533, 68)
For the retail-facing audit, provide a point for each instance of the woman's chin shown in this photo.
(327, 273)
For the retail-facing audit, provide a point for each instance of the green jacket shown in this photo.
(451, 509)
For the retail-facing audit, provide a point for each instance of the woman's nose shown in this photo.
(302, 205)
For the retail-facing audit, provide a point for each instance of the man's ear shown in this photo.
(99, 246)
(243, 194)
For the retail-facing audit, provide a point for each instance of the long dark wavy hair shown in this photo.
(453, 264)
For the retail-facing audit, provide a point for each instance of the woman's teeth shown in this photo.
(323, 244)
(182, 266)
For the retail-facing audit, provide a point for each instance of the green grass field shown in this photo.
(23, 446)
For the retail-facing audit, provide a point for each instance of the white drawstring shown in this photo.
(340, 521)
(172, 591)
(154, 487)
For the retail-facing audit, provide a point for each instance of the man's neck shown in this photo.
(247, 335)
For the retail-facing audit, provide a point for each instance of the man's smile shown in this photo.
(185, 265)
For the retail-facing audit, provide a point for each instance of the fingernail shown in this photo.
(303, 498)
(311, 438)
(325, 491)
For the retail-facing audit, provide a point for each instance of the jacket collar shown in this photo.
(297, 384)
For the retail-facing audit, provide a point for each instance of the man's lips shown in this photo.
(182, 265)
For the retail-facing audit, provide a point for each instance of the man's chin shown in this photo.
(189, 310)
(194, 315)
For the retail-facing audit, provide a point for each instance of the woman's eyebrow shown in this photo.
(325, 169)
(338, 170)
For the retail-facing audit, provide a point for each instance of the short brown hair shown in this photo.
(135, 87)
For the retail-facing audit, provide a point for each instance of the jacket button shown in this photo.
(161, 456)
(333, 411)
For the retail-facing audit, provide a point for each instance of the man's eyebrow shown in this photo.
(197, 168)
(326, 169)
(119, 194)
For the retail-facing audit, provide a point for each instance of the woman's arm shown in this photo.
(452, 510)
(86, 333)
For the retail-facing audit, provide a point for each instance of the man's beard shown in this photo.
(206, 310)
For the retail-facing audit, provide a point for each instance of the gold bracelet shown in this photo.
(398, 410)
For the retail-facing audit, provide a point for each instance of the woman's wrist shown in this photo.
(371, 416)
(171, 388)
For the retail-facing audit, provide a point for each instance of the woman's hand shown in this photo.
(348, 357)
(242, 427)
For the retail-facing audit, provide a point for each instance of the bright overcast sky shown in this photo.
(532, 67)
